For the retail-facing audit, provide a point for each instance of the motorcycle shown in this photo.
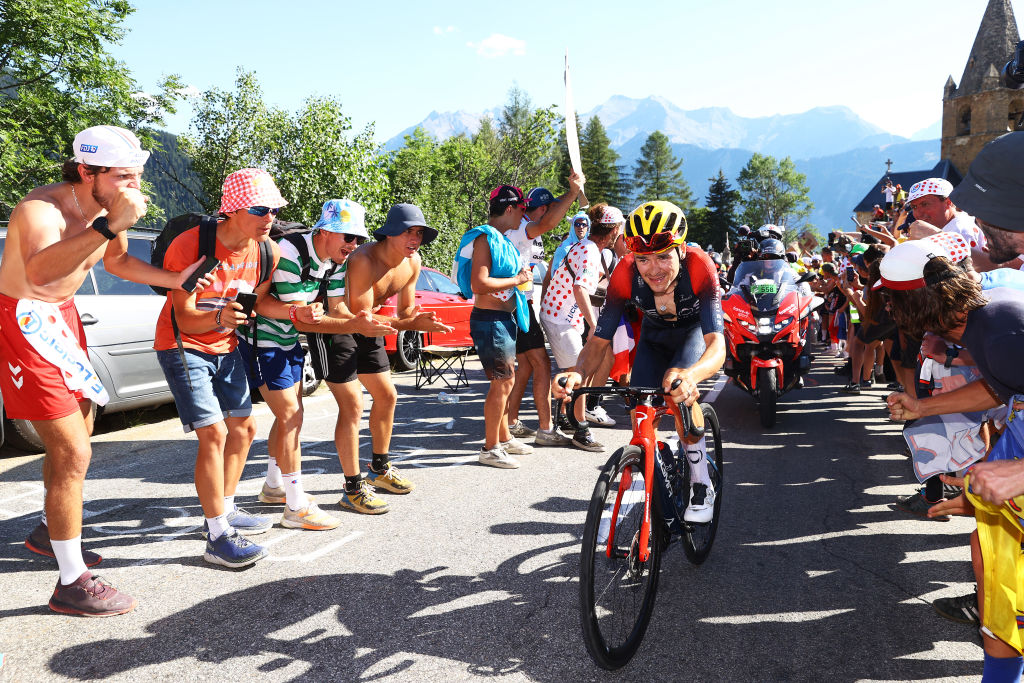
(767, 317)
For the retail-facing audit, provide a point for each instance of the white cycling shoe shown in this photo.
(701, 509)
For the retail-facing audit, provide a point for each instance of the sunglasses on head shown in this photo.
(262, 211)
(358, 239)
(659, 242)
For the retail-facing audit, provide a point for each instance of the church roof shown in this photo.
(943, 169)
(993, 46)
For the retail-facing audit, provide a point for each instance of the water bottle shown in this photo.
(445, 397)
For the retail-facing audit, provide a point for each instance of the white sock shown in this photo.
(229, 505)
(43, 516)
(696, 458)
(274, 477)
(69, 559)
(218, 526)
(293, 495)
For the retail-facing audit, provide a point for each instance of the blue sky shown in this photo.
(392, 63)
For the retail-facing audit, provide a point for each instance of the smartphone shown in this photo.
(248, 300)
(851, 274)
(205, 268)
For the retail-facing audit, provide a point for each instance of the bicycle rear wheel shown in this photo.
(617, 593)
(698, 539)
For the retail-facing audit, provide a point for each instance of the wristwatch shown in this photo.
(101, 226)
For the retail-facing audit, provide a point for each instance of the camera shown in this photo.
(1013, 71)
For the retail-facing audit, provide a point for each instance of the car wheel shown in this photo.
(22, 435)
(309, 381)
(408, 350)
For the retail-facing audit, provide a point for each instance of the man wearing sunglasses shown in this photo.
(206, 373)
(376, 272)
(310, 269)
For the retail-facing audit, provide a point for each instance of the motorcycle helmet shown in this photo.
(743, 231)
(769, 231)
(655, 227)
(771, 249)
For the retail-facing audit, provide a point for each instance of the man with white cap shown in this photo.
(310, 269)
(934, 212)
(197, 348)
(56, 234)
(376, 272)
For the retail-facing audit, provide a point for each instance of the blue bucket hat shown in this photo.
(400, 218)
(344, 216)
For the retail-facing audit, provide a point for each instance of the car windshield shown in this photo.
(764, 281)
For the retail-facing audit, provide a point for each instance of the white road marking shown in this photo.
(716, 390)
(182, 513)
(779, 618)
(319, 552)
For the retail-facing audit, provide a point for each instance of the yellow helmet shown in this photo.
(654, 227)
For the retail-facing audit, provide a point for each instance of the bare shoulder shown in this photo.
(40, 209)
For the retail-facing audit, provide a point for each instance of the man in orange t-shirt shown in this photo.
(206, 374)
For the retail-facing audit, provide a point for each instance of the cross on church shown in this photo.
(888, 166)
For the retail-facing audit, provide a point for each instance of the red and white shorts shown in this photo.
(32, 387)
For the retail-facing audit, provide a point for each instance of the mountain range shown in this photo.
(842, 155)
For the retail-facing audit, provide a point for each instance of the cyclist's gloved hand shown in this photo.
(564, 383)
(685, 389)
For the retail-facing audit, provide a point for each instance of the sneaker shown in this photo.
(562, 423)
(600, 417)
(866, 384)
(894, 386)
(497, 457)
(879, 374)
(551, 438)
(232, 549)
(701, 509)
(365, 500)
(917, 505)
(516, 447)
(310, 517)
(39, 542)
(90, 596)
(520, 430)
(962, 609)
(389, 480)
(582, 439)
(271, 496)
(248, 524)
(852, 388)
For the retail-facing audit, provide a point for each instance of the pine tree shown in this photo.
(657, 174)
(604, 179)
(721, 202)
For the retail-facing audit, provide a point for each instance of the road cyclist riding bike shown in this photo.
(645, 496)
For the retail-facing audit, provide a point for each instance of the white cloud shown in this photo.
(190, 92)
(441, 30)
(498, 45)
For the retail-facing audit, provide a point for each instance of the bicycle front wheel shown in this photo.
(617, 590)
(698, 539)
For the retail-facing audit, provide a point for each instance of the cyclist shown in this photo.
(681, 336)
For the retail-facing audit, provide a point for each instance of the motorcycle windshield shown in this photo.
(764, 283)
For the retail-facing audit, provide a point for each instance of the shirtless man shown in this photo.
(56, 234)
(376, 272)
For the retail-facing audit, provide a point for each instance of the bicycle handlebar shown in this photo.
(635, 393)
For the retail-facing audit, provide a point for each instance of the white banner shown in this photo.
(572, 140)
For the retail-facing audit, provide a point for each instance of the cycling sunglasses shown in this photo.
(659, 242)
(358, 239)
(262, 211)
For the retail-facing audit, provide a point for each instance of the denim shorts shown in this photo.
(494, 336)
(218, 387)
(276, 368)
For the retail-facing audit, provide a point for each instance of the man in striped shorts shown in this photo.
(311, 268)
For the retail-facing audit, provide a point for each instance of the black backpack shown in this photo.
(294, 233)
(207, 244)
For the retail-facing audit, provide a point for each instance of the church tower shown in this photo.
(981, 109)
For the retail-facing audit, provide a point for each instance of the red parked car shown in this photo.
(434, 292)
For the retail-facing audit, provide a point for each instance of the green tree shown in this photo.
(599, 161)
(310, 153)
(773, 192)
(56, 78)
(658, 174)
(721, 201)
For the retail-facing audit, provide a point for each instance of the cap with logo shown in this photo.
(903, 267)
(400, 218)
(508, 195)
(344, 216)
(250, 187)
(993, 189)
(109, 146)
(939, 187)
(538, 197)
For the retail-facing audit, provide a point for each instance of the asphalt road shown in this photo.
(474, 574)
